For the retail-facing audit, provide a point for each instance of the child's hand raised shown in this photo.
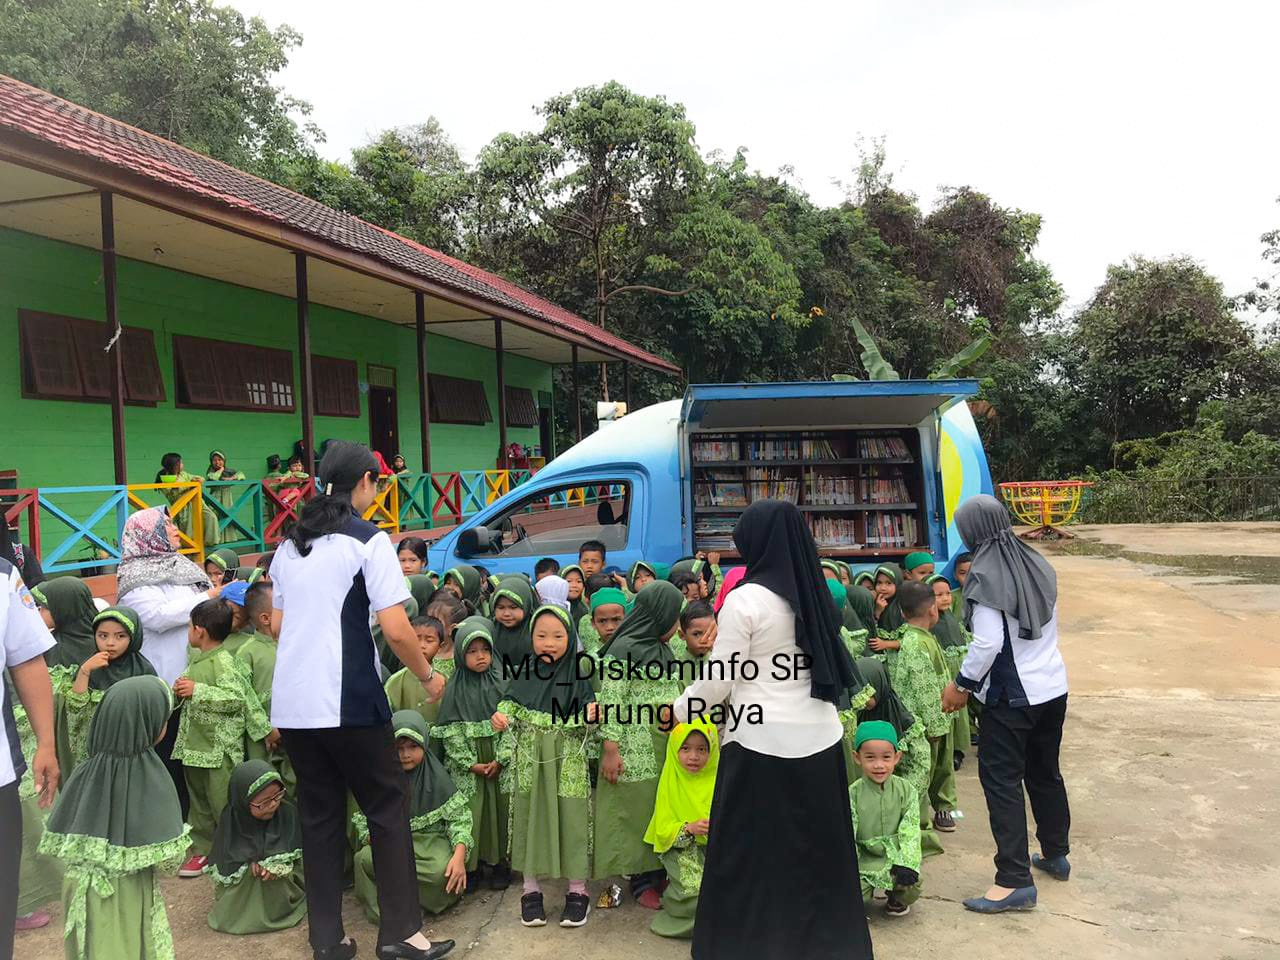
(881, 602)
(184, 688)
(96, 662)
(698, 828)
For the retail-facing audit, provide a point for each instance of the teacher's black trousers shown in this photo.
(1021, 744)
(10, 858)
(363, 760)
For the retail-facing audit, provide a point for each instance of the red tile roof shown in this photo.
(69, 127)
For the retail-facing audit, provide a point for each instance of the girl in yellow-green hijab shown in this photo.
(681, 820)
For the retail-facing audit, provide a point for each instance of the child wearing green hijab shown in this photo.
(886, 820)
(66, 604)
(577, 580)
(633, 750)
(549, 709)
(681, 820)
(439, 817)
(465, 582)
(111, 851)
(849, 619)
(219, 711)
(218, 470)
(641, 575)
(888, 613)
(256, 860)
(477, 756)
(221, 566)
(954, 640)
(79, 689)
(513, 619)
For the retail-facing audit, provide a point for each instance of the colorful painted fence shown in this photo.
(77, 529)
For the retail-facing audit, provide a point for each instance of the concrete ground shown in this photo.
(1172, 640)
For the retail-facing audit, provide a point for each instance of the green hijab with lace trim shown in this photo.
(577, 608)
(654, 611)
(430, 786)
(948, 629)
(513, 642)
(890, 618)
(470, 696)
(469, 582)
(559, 688)
(118, 812)
(241, 838)
(70, 602)
(131, 663)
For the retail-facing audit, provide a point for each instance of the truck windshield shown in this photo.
(559, 521)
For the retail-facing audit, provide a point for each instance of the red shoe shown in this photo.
(650, 899)
(32, 921)
(194, 867)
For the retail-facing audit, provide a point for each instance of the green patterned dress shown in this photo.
(258, 656)
(39, 876)
(918, 680)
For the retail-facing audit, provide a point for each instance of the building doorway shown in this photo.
(546, 426)
(384, 420)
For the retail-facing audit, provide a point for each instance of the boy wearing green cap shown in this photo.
(886, 820)
(919, 565)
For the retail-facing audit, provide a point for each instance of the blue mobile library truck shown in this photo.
(877, 467)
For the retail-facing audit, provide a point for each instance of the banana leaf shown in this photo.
(968, 355)
(878, 368)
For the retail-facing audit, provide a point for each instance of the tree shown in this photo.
(609, 171)
(1156, 342)
(186, 70)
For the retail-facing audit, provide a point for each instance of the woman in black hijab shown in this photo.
(781, 874)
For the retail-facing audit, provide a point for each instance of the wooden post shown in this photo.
(304, 361)
(577, 399)
(424, 396)
(503, 461)
(626, 384)
(115, 341)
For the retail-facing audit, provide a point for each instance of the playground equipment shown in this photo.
(1045, 505)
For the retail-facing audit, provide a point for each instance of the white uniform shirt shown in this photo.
(327, 672)
(757, 625)
(1026, 673)
(24, 637)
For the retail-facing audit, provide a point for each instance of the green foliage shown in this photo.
(187, 70)
(872, 360)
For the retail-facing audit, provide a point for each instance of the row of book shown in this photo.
(714, 532)
(720, 488)
(873, 489)
(713, 451)
(883, 448)
(767, 483)
(834, 532)
(892, 530)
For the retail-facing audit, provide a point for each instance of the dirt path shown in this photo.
(1171, 762)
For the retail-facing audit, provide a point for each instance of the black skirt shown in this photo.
(781, 875)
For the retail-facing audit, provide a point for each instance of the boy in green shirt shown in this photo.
(886, 820)
(257, 655)
(219, 710)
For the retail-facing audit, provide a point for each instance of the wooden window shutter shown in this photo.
(337, 387)
(456, 400)
(521, 410)
(142, 380)
(196, 377)
(95, 367)
(49, 362)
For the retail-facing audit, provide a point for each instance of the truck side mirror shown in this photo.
(474, 541)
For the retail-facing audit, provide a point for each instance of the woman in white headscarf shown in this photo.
(1014, 667)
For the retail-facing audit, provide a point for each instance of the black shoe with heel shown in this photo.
(407, 951)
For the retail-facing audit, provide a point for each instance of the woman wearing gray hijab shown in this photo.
(1014, 668)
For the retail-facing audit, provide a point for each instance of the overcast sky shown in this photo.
(1131, 127)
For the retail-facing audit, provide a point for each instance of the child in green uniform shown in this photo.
(67, 607)
(256, 861)
(849, 619)
(235, 593)
(633, 749)
(885, 704)
(39, 875)
(954, 641)
(693, 644)
(963, 562)
(404, 690)
(450, 611)
(439, 817)
(681, 820)
(219, 711)
(919, 674)
(919, 565)
(478, 757)
(464, 582)
(577, 580)
(258, 656)
(886, 821)
(642, 574)
(512, 618)
(412, 554)
(859, 692)
(79, 689)
(888, 613)
(549, 709)
(608, 609)
(221, 566)
(112, 851)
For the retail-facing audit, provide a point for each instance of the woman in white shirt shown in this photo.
(1014, 667)
(781, 875)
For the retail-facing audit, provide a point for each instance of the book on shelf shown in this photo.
(770, 483)
(817, 448)
(877, 488)
(713, 450)
(834, 532)
(892, 530)
(719, 488)
(826, 491)
(883, 448)
(773, 449)
(714, 532)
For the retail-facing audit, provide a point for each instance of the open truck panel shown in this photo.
(653, 484)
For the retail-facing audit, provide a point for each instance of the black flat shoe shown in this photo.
(339, 951)
(405, 951)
